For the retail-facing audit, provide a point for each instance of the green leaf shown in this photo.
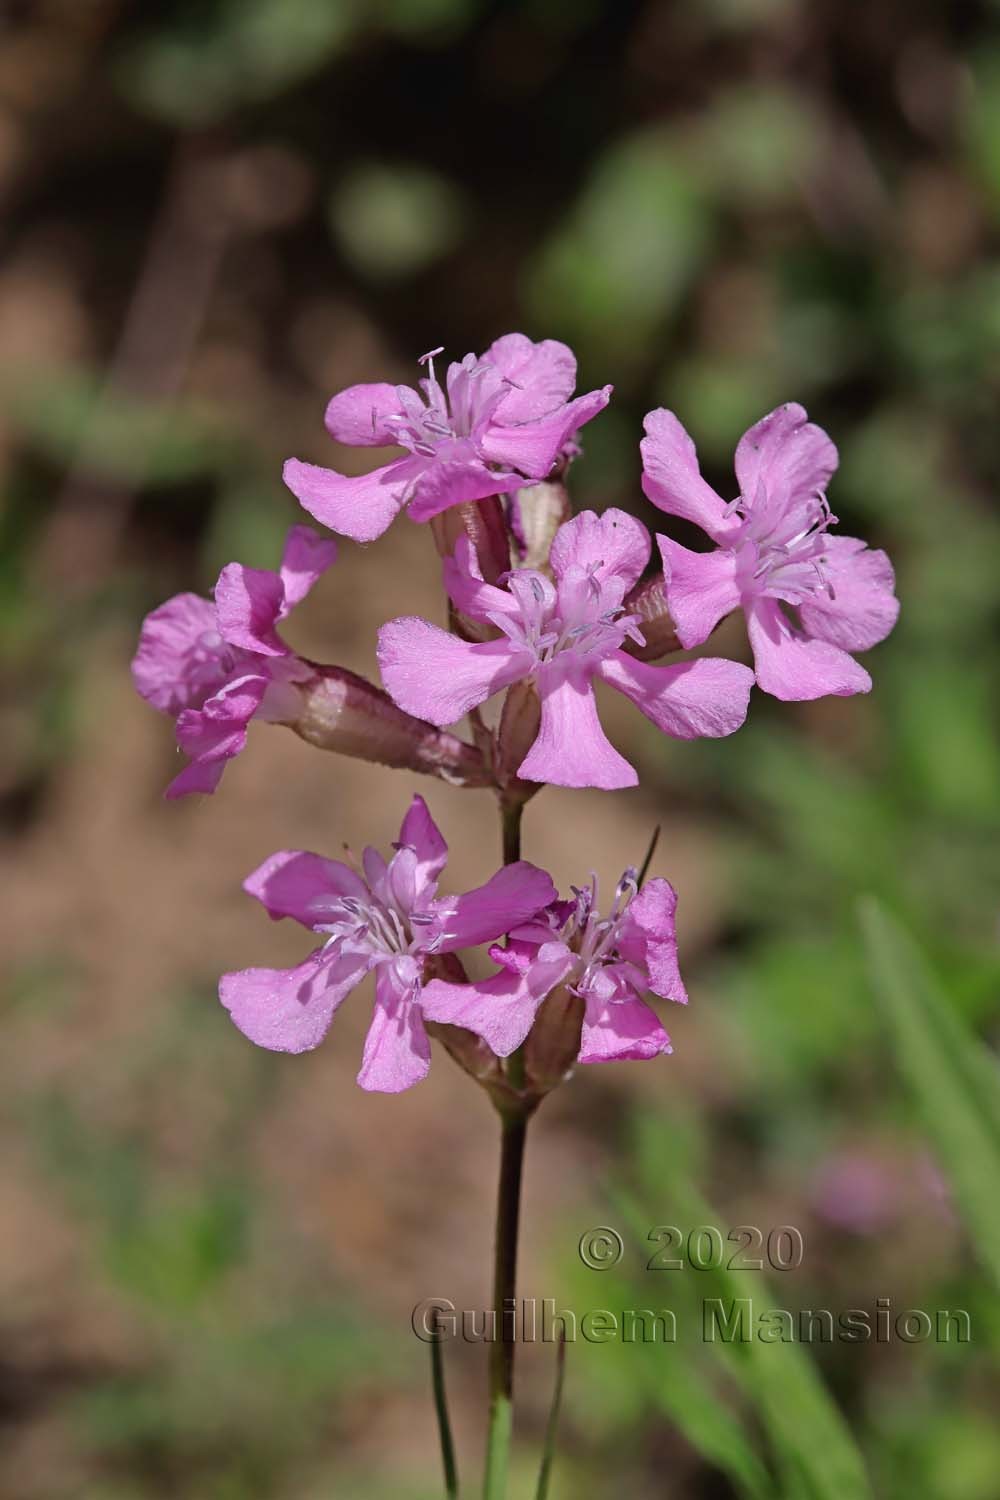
(813, 1446)
(952, 1077)
(694, 1408)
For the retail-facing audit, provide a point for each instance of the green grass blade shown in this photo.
(443, 1420)
(710, 1427)
(950, 1074)
(552, 1425)
(812, 1443)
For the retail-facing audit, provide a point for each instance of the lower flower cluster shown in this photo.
(385, 917)
(543, 607)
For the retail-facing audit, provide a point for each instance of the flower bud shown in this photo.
(343, 712)
(553, 1043)
(517, 732)
(484, 523)
(648, 600)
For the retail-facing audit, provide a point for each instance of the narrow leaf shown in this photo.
(443, 1419)
(952, 1077)
(552, 1425)
(812, 1443)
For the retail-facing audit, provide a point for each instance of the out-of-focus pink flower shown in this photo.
(387, 917)
(498, 422)
(857, 1191)
(562, 637)
(864, 1188)
(609, 961)
(773, 549)
(214, 666)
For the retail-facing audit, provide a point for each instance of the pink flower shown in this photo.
(856, 1191)
(500, 422)
(390, 919)
(562, 637)
(610, 962)
(773, 551)
(215, 666)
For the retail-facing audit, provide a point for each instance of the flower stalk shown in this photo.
(514, 1116)
(513, 1134)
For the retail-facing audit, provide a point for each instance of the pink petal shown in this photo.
(700, 587)
(162, 667)
(672, 479)
(452, 481)
(289, 1010)
(306, 558)
(794, 668)
(397, 1050)
(401, 885)
(863, 608)
(534, 447)
(543, 376)
(510, 897)
(463, 579)
(501, 1010)
(374, 867)
(692, 699)
(294, 883)
(361, 507)
(785, 454)
(360, 416)
(572, 748)
(234, 705)
(249, 602)
(438, 677)
(615, 544)
(623, 1030)
(215, 734)
(421, 834)
(202, 776)
(648, 939)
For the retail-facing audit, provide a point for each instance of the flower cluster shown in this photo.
(543, 606)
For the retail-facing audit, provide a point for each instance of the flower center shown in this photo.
(786, 543)
(363, 925)
(585, 616)
(210, 660)
(474, 389)
(592, 937)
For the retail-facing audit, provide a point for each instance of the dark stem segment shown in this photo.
(513, 1132)
(443, 1420)
(510, 817)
